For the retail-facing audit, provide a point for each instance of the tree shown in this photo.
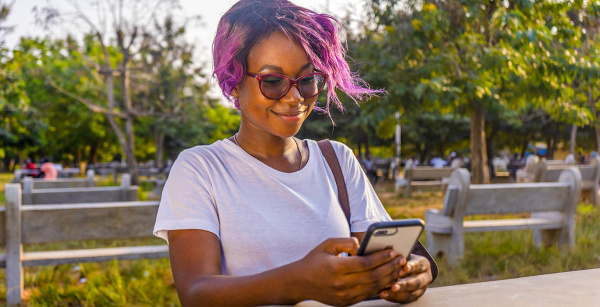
(131, 36)
(466, 57)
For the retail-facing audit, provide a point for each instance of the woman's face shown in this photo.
(283, 117)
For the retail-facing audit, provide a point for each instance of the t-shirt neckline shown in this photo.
(260, 165)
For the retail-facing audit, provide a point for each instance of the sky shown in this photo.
(23, 19)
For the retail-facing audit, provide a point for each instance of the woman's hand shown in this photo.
(328, 278)
(415, 277)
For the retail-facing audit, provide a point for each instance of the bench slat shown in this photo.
(511, 224)
(80, 195)
(517, 198)
(102, 221)
(93, 255)
(431, 173)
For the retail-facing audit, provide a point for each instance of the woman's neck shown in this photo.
(285, 154)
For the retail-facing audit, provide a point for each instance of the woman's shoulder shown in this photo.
(209, 152)
(339, 147)
(342, 150)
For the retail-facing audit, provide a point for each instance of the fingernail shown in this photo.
(384, 294)
(396, 287)
(392, 254)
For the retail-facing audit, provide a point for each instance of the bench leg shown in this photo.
(594, 197)
(452, 246)
(547, 237)
(14, 248)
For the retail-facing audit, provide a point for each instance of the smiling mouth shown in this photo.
(290, 117)
(289, 114)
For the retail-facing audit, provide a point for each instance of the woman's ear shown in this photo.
(234, 92)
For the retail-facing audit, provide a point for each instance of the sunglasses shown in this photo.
(275, 86)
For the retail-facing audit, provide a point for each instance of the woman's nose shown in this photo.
(293, 96)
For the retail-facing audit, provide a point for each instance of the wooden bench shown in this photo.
(422, 176)
(32, 196)
(26, 224)
(551, 204)
(590, 176)
(61, 183)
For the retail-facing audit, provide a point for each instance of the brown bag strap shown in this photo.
(334, 165)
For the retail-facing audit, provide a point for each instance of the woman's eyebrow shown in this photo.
(279, 69)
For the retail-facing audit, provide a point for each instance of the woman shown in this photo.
(255, 219)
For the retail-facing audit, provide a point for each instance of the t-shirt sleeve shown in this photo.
(365, 207)
(186, 201)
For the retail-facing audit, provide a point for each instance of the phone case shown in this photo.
(400, 235)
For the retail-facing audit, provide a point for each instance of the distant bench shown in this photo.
(33, 196)
(60, 173)
(26, 224)
(552, 206)
(590, 176)
(59, 183)
(428, 175)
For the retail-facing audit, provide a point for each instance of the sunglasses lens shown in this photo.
(311, 85)
(274, 86)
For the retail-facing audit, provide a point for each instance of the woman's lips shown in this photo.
(290, 117)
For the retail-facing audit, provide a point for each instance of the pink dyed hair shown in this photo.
(248, 21)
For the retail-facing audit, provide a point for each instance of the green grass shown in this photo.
(4, 179)
(488, 256)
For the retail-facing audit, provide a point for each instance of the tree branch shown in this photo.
(86, 102)
(533, 115)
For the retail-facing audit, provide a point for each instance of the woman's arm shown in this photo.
(321, 275)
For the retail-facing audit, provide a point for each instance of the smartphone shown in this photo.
(399, 235)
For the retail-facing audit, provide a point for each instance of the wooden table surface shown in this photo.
(575, 288)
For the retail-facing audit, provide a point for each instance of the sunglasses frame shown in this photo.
(292, 83)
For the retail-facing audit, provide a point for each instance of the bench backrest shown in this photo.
(530, 164)
(59, 183)
(73, 222)
(550, 172)
(462, 198)
(125, 192)
(427, 172)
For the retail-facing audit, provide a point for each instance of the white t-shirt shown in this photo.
(264, 218)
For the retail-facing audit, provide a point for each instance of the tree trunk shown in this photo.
(524, 147)
(424, 154)
(549, 145)
(479, 166)
(592, 104)
(573, 139)
(159, 140)
(92, 155)
(490, 149)
(367, 147)
(130, 137)
(555, 141)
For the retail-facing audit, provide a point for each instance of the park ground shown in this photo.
(488, 256)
